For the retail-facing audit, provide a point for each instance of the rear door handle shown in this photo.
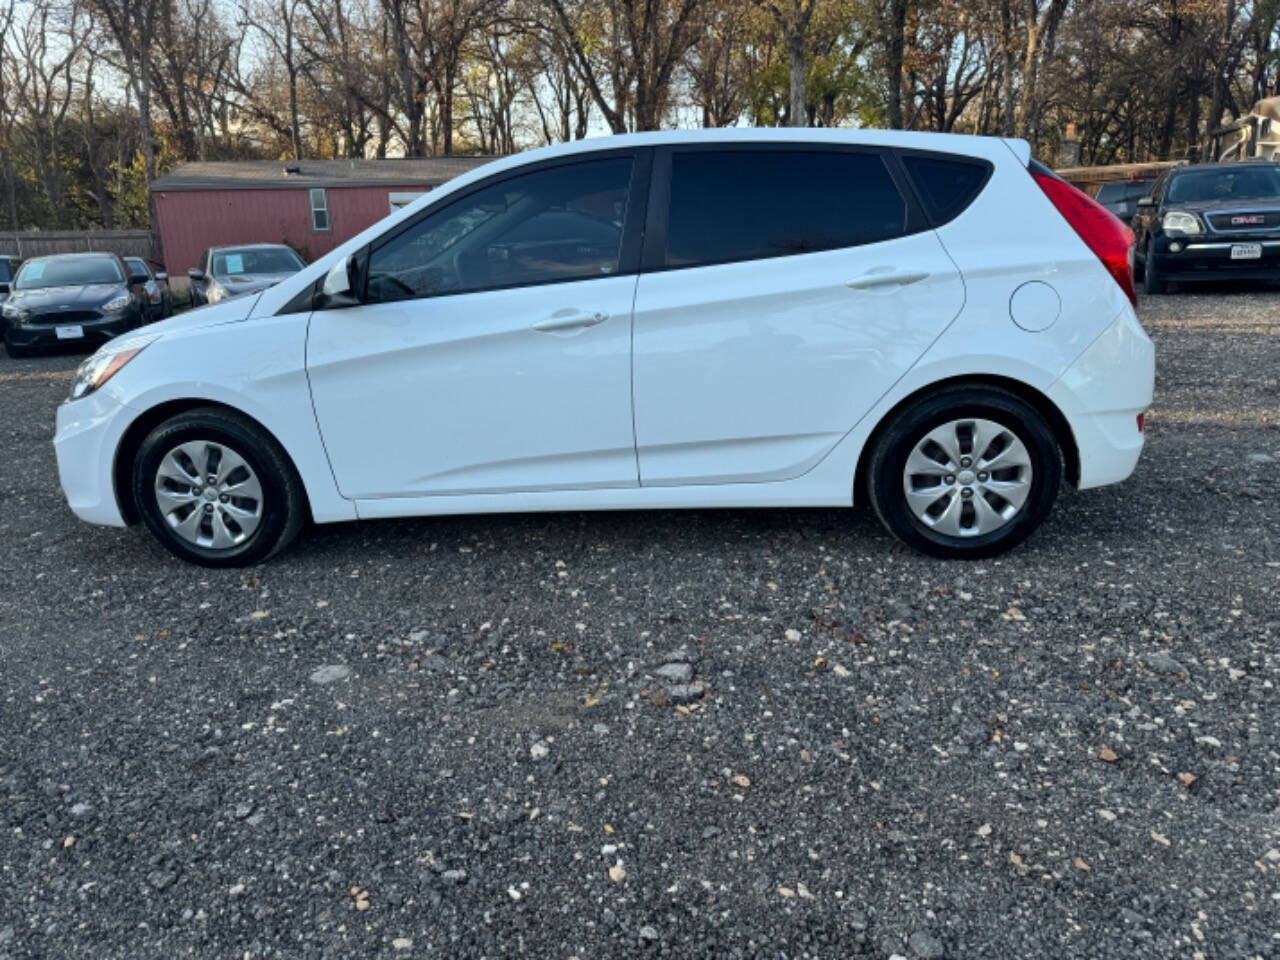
(877, 279)
(569, 320)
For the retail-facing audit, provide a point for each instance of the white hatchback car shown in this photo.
(742, 318)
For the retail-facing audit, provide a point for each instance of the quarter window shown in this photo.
(319, 210)
(729, 205)
(563, 223)
(946, 186)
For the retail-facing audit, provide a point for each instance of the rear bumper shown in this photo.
(1101, 395)
(87, 436)
(1209, 258)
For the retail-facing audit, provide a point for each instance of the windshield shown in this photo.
(231, 263)
(68, 272)
(137, 266)
(1246, 183)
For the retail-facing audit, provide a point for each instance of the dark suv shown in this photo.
(1218, 221)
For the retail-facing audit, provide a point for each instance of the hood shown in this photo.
(1259, 205)
(247, 282)
(87, 295)
(226, 311)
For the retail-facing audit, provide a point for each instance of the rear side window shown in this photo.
(729, 205)
(946, 185)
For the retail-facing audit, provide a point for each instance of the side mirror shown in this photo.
(340, 285)
(4, 287)
(196, 274)
(1146, 203)
(138, 279)
(161, 277)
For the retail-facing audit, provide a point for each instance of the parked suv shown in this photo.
(741, 318)
(1214, 221)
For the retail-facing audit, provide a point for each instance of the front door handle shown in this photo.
(876, 279)
(569, 320)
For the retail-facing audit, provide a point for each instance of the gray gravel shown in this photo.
(449, 737)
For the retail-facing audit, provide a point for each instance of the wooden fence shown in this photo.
(39, 243)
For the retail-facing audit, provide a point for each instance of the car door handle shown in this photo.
(569, 320)
(873, 280)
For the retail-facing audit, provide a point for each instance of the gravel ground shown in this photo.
(738, 734)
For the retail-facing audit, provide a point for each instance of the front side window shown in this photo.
(68, 272)
(562, 223)
(730, 205)
(319, 210)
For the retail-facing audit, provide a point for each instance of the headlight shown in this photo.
(116, 303)
(19, 314)
(106, 363)
(213, 293)
(1182, 222)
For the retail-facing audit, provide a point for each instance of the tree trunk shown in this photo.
(796, 116)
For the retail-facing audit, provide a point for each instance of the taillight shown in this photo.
(1142, 421)
(1100, 229)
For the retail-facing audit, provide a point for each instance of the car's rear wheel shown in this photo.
(969, 472)
(1152, 279)
(217, 490)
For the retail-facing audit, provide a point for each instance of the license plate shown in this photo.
(1246, 251)
(72, 331)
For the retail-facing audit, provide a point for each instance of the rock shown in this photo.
(648, 934)
(81, 810)
(791, 635)
(433, 663)
(710, 832)
(159, 879)
(514, 894)
(1208, 741)
(925, 946)
(984, 830)
(599, 729)
(330, 673)
(539, 750)
(675, 672)
(1164, 664)
(686, 692)
(454, 876)
(678, 655)
(6, 935)
(402, 943)
(1261, 458)
(243, 809)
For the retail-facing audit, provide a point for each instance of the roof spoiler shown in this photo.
(1021, 149)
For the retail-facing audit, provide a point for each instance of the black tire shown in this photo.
(899, 437)
(18, 352)
(284, 505)
(1152, 280)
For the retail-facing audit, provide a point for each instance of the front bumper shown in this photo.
(1208, 257)
(88, 434)
(1101, 395)
(96, 332)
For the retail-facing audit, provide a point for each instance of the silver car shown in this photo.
(227, 272)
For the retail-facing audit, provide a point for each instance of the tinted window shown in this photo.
(1244, 183)
(747, 204)
(946, 186)
(564, 223)
(4, 270)
(232, 263)
(68, 272)
(137, 266)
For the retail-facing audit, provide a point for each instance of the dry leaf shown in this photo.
(742, 780)
(258, 614)
(68, 843)
(362, 905)
(617, 873)
(608, 828)
(1015, 859)
(1107, 754)
(787, 892)
(1187, 779)
(1159, 838)
(1080, 864)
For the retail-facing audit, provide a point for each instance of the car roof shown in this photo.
(87, 255)
(1228, 165)
(253, 246)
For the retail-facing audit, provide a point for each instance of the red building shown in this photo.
(312, 205)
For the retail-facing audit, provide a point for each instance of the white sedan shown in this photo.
(742, 318)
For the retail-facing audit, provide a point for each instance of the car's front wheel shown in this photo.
(966, 473)
(216, 489)
(1152, 279)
